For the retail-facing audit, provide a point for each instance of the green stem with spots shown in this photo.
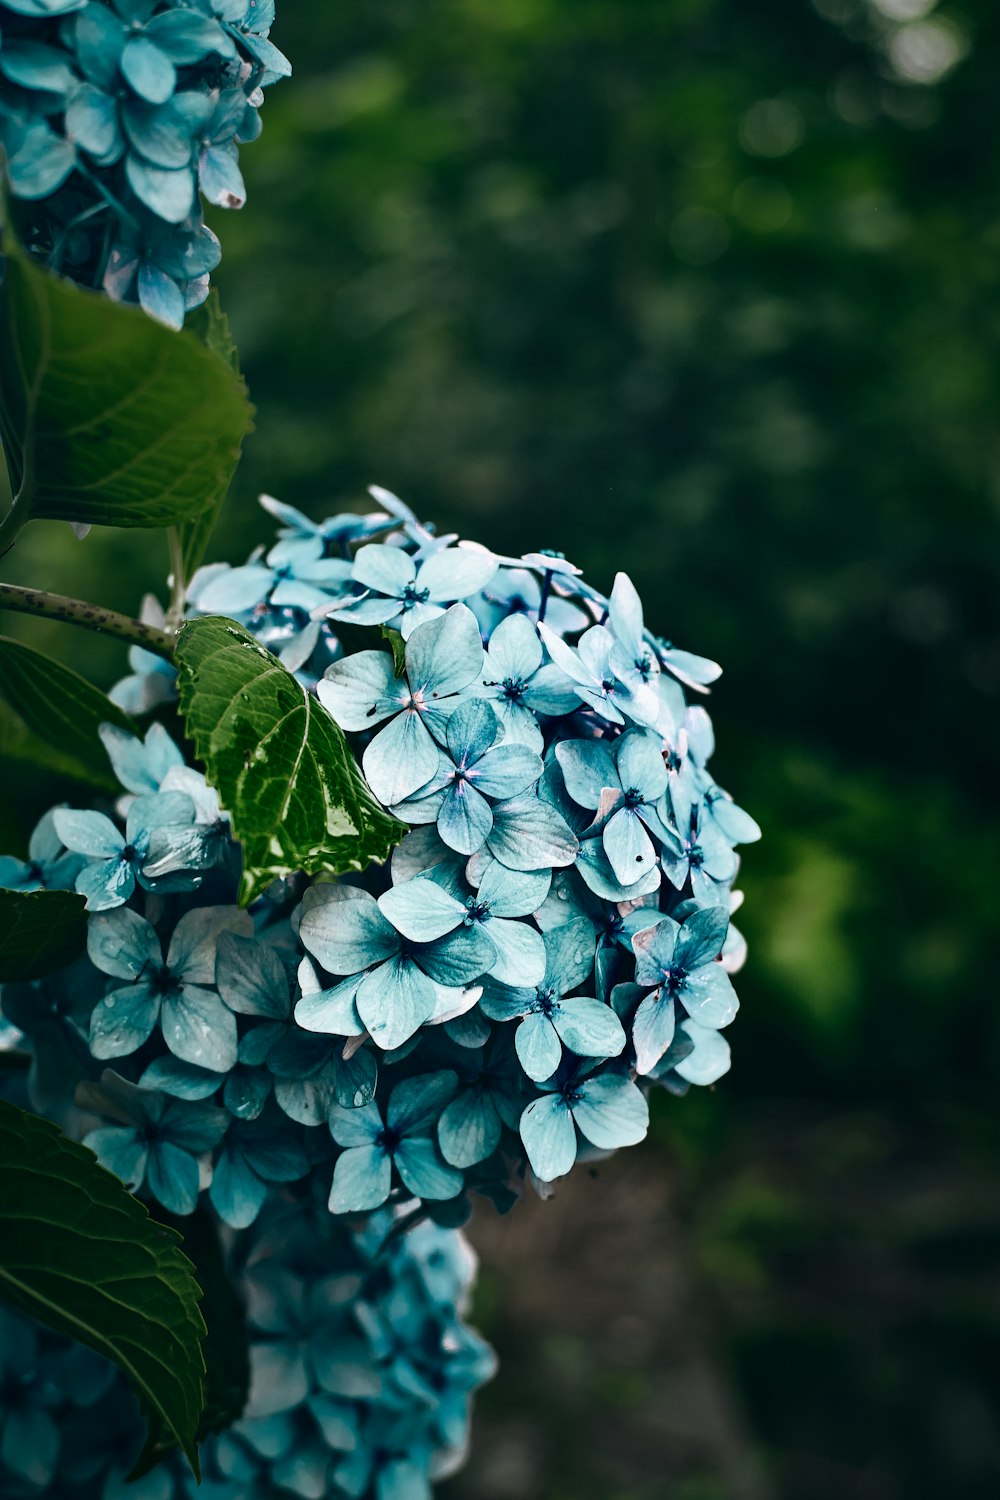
(90, 616)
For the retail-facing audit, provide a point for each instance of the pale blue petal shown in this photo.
(394, 1001)
(251, 977)
(530, 835)
(331, 1012)
(343, 927)
(148, 70)
(456, 572)
(355, 1127)
(465, 819)
(628, 847)
(611, 1111)
(514, 650)
(513, 893)
(106, 885)
(539, 1050)
(417, 1103)
(198, 1028)
(355, 1079)
(388, 570)
(444, 655)
(88, 833)
(180, 1080)
(472, 729)
(458, 959)
(589, 1028)
(509, 769)
(569, 954)
(422, 910)
(122, 1021)
(279, 1380)
(640, 764)
(520, 960)
(401, 758)
(654, 949)
(362, 690)
(710, 1058)
(625, 614)
(708, 996)
(596, 872)
(549, 1137)
(192, 952)
(701, 938)
(123, 1152)
(588, 766)
(122, 944)
(361, 1180)
(422, 1170)
(652, 1030)
(469, 1129)
(236, 590)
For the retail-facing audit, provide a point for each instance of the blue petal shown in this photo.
(172, 1177)
(472, 729)
(458, 959)
(416, 1104)
(625, 614)
(652, 1030)
(236, 1192)
(355, 1079)
(701, 937)
(628, 847)
(589, 1028)
(569, 954)
(640, 764)
(235, 590)
(596, 872)
(123, 1152)
(394, 1001)
(219, 176)
(611, 1111)
(148, 70)
(514, 650)
(549, 1137)
(88, 833)
(361, 1180)
(423, 1171)
(465, 819)
(331, 1012)
(251, 977)
(279, 1380)
(362, 690)
(122, 944)
(520, 960)
(588, 766)
(509, 769)
(191, 956)
(456, 572)
(709, 1059)
(355, 1127)
(343, 927)
(469, 1129)
(123, 1021)
(444, 655)
(421, 910)
(387, 570)
(169, 194)
(530, 835)
(198, 1028)
(179, 1079)
(400, 759)
(709, 998)
(513, 893)
(538, 1047)
(654, 949)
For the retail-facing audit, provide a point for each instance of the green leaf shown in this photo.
(59, 706)
(40, 932)
(107, 417)
(79, 1253)
(209, 324)
(398, 646)
(280, 764)
(226, 1347)
(18, 743)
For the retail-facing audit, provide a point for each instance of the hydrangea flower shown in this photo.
(161, 1143)
(443, 657)
(115, 863)
(167, 991)
(49, 866)
(403, 1142)
(518, 685)
(624, 784)
(607, 1109)
(393, 588)
(679, 961)
(112, 120)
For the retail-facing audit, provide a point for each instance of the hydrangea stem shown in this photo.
(91, 616)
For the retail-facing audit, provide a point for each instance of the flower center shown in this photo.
(412, 595)
(633, 798)
(696, 856)
(478, 911)
(672, 760)
(389, 1138)
(644, 666)
(512, 689)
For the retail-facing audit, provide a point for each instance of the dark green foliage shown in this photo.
(106, 416)
(40, 932)
(278, 761)
(59, 707)
(80, 1253)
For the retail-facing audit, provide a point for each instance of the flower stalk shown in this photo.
(90, 616)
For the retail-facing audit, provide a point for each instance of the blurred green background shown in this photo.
(706, 290)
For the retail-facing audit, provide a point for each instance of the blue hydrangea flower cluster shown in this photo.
(115, 115)
(362, 1374)
(549, 942)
